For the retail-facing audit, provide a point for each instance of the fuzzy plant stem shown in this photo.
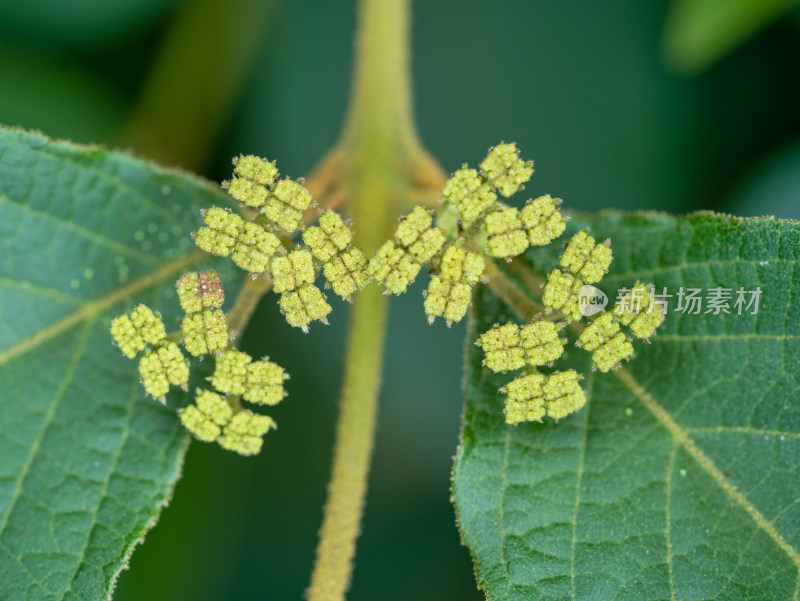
(382, 166)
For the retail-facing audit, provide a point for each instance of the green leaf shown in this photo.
(700, 32)
(86, 461)
(680, 478)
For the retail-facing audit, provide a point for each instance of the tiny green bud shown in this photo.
(393, 267)
(200, 291)
(586, 259)
(132, 332)
(125, 336)
(249, 423)
(230, 372)
(259, 382)
(541, 342)
(437, 297)
(525, 399)
(347, 273)
(447, 298)
(471, 196)
(219, 235)
(304, 305)
(450, 294)
(427, 245)
(597, 333)
(561, 293)
(330, 238)
(286, 204)
(411, 226)
(638, 310)
(609, 345)
(243, 433)
(542, 220)
(502, 347)
(461, 264)
(161, 366)
(529, 397)
(505, 170)
(563, 394)
(206, 418)
(247, 192)
(291, 271)
(214, 407)
(255, 246)
(403, 274)
(344, 266)
(225, 233)
(265, 383)
(257, 170)
(205, 332)
(148, 324)
(415, 234)
(198, 424)
(507, 237)
(612, 353)
(398, 261)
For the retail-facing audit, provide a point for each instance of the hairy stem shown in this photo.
(381, 168)
(510, 294)
(246, 304)
(519, 299)
(354, 439)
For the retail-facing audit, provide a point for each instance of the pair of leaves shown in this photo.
(680, 478)
(86, 462)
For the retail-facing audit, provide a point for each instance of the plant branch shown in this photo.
(510, 293)
(520, 301)
(246, 304)
(352, 454)
(377, 168)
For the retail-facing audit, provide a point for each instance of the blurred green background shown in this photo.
(623, 104)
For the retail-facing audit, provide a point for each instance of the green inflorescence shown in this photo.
(542, 220)
(415, 242)
(473, 227)
(162, 364)
(529, 398)
(204, 327)
(343, 264)
(213, 419)
(561, 294)
(586, 259)
(510, 347)
(449, 293)
(507, 233)
(249, 245)
(505, 170)
(301, 301)
(638, 310)
(259, 382)
(471, 195)
(609, 346)
(507, 236)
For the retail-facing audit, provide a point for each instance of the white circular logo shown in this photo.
(591, 300)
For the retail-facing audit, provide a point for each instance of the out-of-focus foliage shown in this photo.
(700, 32)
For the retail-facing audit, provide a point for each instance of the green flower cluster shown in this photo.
(215, 415)
(221, 419)
(455, 243)
(163, 364)
(255, 245)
